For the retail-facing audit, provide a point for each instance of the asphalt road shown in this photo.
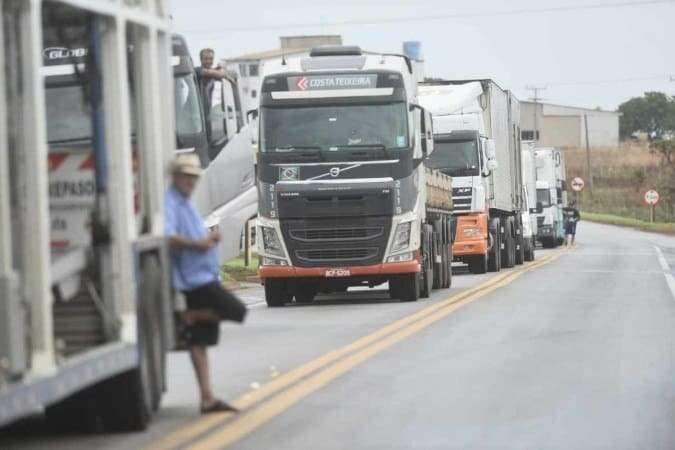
(574, 352)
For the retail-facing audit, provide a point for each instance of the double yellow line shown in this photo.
(218, 431)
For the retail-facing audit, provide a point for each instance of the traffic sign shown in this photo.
(652, 197)
(577, 184)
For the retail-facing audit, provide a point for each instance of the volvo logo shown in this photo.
(334, 171)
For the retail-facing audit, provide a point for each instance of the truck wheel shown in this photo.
(427, 274)
(495, 253)
(276, 292)
(529, 250)
(438, 262)
(409, 287)
(509, 252)
(447, 265)
(478, 264)
(520, 248)
(151, 295)
(305, 293)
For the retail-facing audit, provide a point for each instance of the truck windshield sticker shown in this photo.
(400, 141)
(325, 82)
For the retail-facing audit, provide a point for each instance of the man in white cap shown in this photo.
(195, 272)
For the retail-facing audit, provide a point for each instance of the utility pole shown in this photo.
(588, 157)
(535, 98)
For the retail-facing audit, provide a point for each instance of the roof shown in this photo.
(277, 52)
(601, 111)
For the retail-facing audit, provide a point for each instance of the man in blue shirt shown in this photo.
(195, 272)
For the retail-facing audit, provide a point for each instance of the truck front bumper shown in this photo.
(325, 272)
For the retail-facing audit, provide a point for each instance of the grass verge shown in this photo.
(657, 227)
(235, 270)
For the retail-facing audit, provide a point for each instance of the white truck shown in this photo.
(530, 206)
(551, 194)
(86, 313)
(344, 195)
(477, 142)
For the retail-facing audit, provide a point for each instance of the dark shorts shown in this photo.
(214, 297)
(571, 228)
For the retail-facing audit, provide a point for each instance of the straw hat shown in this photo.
(186, 164)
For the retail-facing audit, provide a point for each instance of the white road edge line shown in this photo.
(662, 259)
(670, 279)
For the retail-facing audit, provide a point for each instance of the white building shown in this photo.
(249, 66)
(564, 126)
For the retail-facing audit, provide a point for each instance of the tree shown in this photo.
(653, 113)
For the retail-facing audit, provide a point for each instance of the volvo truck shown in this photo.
(530, 206)
(552, 194)
(86, 313)
(345, 198)
(477, 142)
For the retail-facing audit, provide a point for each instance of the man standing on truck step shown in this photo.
(195, 272)
(571, 217)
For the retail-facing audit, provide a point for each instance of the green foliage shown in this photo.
(653, 113)
(668, 228)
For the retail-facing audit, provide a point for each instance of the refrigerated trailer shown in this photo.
(86, 132)
(344, 197)
(477, 142)
(552, 194)
(530, 206)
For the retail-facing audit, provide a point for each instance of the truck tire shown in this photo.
(509, 252)
(478, 264)
(438, 261)
(520, 248)
(447, 265)
(305, 293)
(494, 255)
(409, 287)
(276, 292)
(529, 250)
(427, 275)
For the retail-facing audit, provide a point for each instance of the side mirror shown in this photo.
(540, 207)
(252, 114)
(492, 164)
(490, 150)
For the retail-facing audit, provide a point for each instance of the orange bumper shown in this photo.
(355, 271)
(473, 245)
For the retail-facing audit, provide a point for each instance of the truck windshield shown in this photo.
(455, 158)
(335, 128)
(544, 196)
(188, 114)
(68, 115)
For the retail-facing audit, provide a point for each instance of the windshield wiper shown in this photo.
(65, 141)
(382, 147)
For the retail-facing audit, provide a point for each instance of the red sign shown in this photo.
(303, 83)
(577, 184)
(652, 197)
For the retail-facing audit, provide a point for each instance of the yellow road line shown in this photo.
(248, 422)
(202, 425)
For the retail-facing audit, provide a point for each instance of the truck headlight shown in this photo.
(271, 243)
(401, 237)
(471, 232)
(401, 257)
(266, 261)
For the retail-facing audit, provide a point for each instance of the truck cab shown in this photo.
(340, 174)
(551, 195)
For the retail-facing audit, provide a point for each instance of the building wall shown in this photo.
(563, 126)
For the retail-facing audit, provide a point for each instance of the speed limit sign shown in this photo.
(577, 184)
(652, 197)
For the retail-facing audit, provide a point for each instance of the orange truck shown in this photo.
(477, 143)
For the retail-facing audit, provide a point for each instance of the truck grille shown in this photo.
(332, 255)
(336, 241)
(336, 234)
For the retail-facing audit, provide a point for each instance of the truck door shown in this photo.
(215, 117)
(231, 123)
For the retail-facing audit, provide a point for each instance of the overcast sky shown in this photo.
(558, 49)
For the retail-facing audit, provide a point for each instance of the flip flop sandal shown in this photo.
(218, 406)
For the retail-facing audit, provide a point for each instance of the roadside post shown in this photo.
(651, 199)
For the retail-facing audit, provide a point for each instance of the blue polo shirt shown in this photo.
(191, 269)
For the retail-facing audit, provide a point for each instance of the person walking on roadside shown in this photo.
(195, 272)
(571, 217)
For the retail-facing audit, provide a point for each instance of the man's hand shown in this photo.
(203, 245)
(214, 236)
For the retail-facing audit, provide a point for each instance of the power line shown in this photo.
(376, 21)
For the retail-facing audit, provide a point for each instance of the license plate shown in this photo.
(338, 273)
